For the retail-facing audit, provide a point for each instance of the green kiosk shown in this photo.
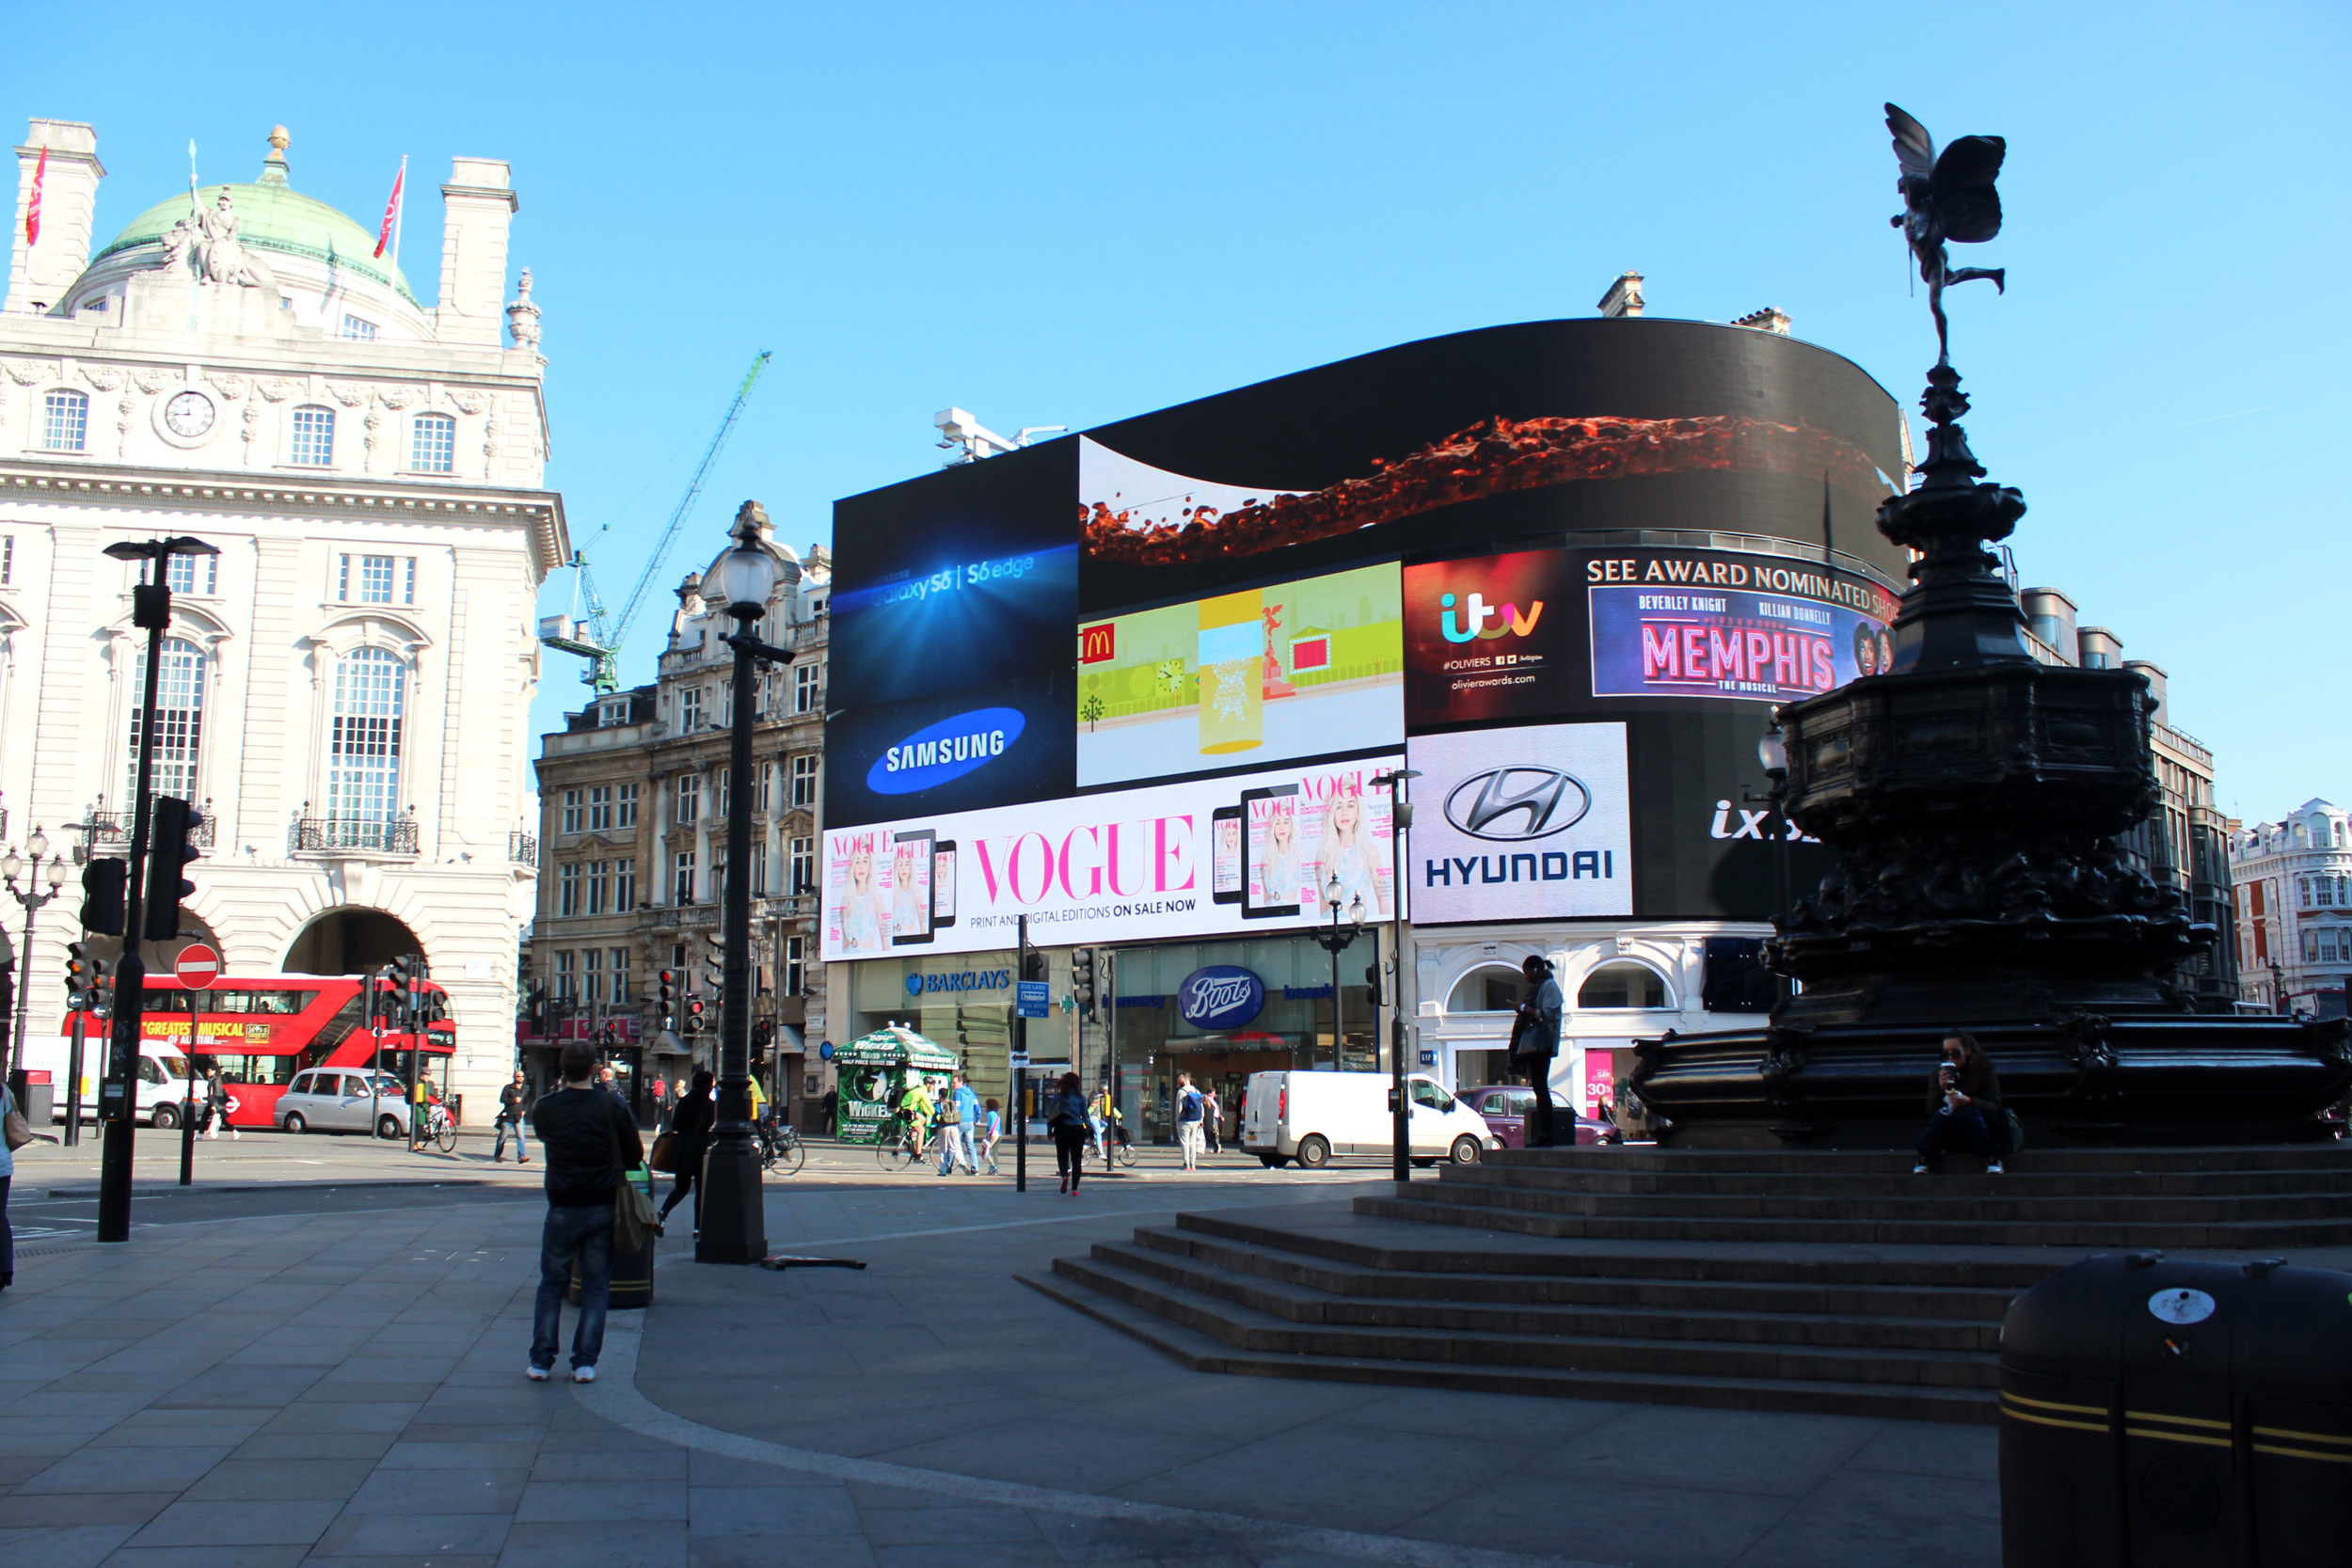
(876, 1069)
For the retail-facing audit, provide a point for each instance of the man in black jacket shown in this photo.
(514, 1103)
(580, 1129)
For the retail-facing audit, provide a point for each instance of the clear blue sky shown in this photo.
(1067, 213)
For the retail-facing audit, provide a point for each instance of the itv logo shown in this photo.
(1473, 619)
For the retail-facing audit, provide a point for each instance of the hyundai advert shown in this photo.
(1523, 824)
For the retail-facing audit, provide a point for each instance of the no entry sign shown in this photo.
(197, 967)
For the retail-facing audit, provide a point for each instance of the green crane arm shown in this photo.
(603, 650)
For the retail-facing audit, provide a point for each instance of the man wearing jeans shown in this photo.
(579, 1126)
(514, 1112)
(1191, 1105)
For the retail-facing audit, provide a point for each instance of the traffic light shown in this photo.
(1371, 982)
(714, 966)
(101, 894)
(170, 846)
(669, 999)
(1082, 978)
(81, 974)
(694, 1019)
(1033, 967)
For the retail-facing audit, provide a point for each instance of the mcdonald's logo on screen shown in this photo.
(1098, 644)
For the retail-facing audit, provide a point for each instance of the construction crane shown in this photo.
(598, 637)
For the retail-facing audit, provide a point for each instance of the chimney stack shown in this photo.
(39, 275)
(1771, 319)
(477, 205)
(1624, 297)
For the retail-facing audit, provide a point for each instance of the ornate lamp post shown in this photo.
(1400, 1112)
(1336, 942)
(734, 1228)
(1772, 751)
(12, 867)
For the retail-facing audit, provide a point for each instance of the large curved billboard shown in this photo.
(1658, 528)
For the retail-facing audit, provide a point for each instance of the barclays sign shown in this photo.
(969, 979)
(1221, 996)
(945, 750)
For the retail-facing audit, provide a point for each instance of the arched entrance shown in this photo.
(351, 939)
(159, 955)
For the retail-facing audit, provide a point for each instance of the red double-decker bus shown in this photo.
(260, 1030)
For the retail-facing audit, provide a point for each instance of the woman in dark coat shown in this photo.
(689, 1127)
(1963, 1104)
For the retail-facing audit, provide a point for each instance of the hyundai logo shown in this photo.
(948, 749)
(1511, 804)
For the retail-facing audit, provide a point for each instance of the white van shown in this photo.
(1310, 1116)
(164, 1085)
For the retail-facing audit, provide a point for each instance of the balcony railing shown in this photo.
(522, 848)
(325, 834)
(114, 827)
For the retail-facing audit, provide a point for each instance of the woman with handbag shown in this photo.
(689, 1139)
(1066, 1118)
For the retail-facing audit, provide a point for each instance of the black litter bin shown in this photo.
(2164, 1415)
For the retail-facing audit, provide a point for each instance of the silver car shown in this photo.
(340, 1099)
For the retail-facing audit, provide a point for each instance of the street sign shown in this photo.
(197, 967)
(1020, 1059)
(825, 1051)
(1034, 998)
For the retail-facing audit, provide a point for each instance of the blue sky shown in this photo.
(1068, 213)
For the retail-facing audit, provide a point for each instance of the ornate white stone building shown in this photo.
(2294, 886)
(346, 685)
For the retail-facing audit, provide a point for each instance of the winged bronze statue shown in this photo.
(1947, 199)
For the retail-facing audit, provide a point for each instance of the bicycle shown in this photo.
(781, 1146)
(440, 1129)
(895, 1150)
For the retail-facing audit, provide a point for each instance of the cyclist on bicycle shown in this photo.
(916, 1105)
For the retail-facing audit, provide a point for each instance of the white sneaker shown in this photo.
(1993, 1168)
(1918, 1170)
(583, 1374)
(536, 1375)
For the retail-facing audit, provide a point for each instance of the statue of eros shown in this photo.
(1947, 199)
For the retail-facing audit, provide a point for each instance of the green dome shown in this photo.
(276, 218)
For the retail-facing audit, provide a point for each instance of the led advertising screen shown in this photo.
(953, 751)
(1543, 634)
(961, 580)
(1730, 637)
(1522, 824)
(1484, 439)
(1258, 675)
(1123, 866)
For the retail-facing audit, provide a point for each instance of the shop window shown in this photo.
(1487, 990)
(1622, 985)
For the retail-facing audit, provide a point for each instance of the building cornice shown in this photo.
(177, 490)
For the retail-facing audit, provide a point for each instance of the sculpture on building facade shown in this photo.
(522, 316)
(221, 255)
(1947, 199)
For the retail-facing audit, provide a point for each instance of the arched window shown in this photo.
(363, 750)
(314, 437)
(1491, 990)
(64, 421)
(179, 719)
(432, 444)
(1622, 985)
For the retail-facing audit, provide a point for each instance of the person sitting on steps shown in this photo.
(1963, 1105)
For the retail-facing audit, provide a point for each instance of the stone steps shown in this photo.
(1480, 1207)
(1205, 1352)
(1635, 1291)
(1768, 1279)
(1746, 1323)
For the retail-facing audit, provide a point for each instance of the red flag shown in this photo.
(31, 208)
(391, 211)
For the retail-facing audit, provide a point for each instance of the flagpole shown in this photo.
(196, 228)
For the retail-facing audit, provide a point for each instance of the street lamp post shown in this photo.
(734, 1228)
(1336, 942)
(1399, 1114)
(11, 867)
(2278, 985)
